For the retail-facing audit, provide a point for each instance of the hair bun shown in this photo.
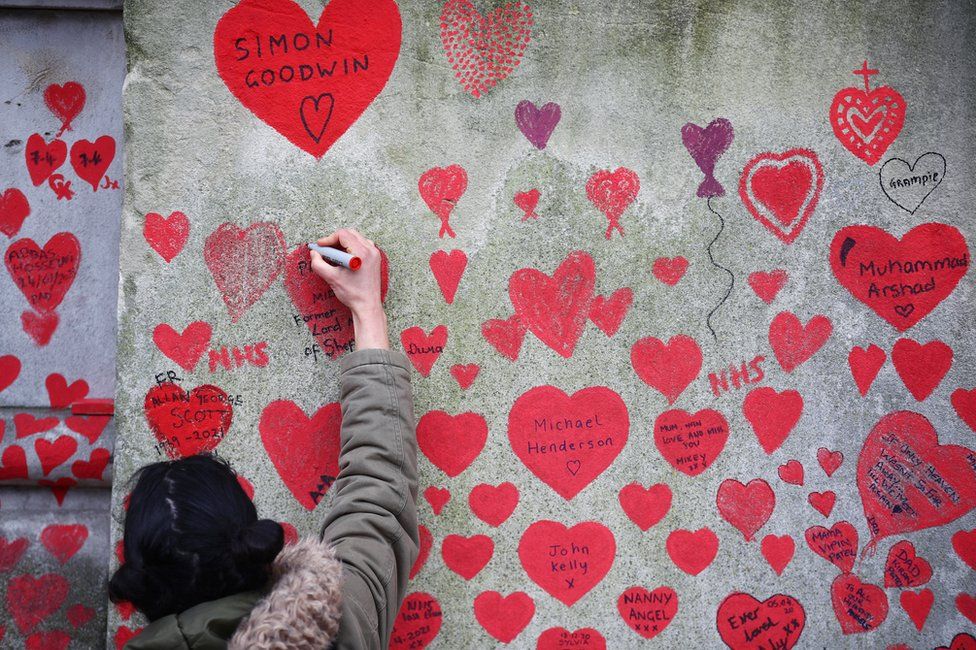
(258, 543)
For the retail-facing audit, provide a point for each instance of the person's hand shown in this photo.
(358, 290)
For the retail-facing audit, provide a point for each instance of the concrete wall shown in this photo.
(627, 77)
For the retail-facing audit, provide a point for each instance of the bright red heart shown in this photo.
(166, 235)
(65, 101)
(747, 507)
(424, 349)
(32, 600)
(506, 336)
(772, 415)
(568, 441)
(612, 192)
(185, 349)
(668, 367)
(329, 321)
(608, 313)
(451, 442)
(966, 605)
(465, 375)
(28, 425)
(567, 562)
(426, 542)
(908, 481)
(13, 463)
(304, 450)
(44, 158)
(493, 504)
(503, 617)
(54, 454)
(917, 606)
(123, 635)
(691, 442)
(44, 276)
(670, 270)
(768, 285)
(867, 122)
(830, 461)
(645, 506)
(484, 50)
(837, 544)
(467, 556)
(92, 159)
(441, 188)
(921, 367)
(244, 262)
(964, 543)
(692, 552)
(559, 638)
(56, 640)
(61, 394)
(89, 426)
(648, 612)
(778, 551)
(40, 327)
(308, 82)
(858, 606)
(437, 498)
(902, 281)
(78, 615)
(94, 467)
(781, 190)
(793, 342)
(418, 622)
(865, 363)
(448, 269)
(14, 208)
(63, 541)
(904, 568)
(555, 308)
(11, 552)
(9, 371)
(745, 622)
(188, 423)
(528, 202)
(823, 502)
(791, 472)
(963, 401)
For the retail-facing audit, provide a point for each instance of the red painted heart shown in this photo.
(61, 394)
(465, 374)
(527, 202)
(244, 262)
(14, 208)
(837, 544)
(94, 467)
(964, 543)
(441, 188)
(791, 472)
(503, 617)
(424, 349)
(451, 442)
(184, 348)
(437, 498)
(39, 327)
(904, 568)
(418, 622)
(645, 506)
(44, 276)
(793, 342)
(778, 551)
(747, 507)
(648, 612)
(53, 454)
(493, 504)
(66, 101)
(188, 423)
(921, 367)
(781, 191)
(867, 122)
(9, 371)
(26, 424)
(692, 552)
(691, 442)
(670, 270)
(11, 552)
(44, 158)
(559, 638)
(830, 461)
(612, 192)
(667, 367)
(865, 364)
(768, 285)
(92, 159)
(858, 606)
(31, 600)
(63, 541)
(608, 313)
(963, 401)
(166, 235)
(448, 269)
(823, 502)
(745, 622)
(772, 415)
(567, 562)
(506, 336)
(467, 556)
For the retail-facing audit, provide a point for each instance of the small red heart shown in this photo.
(837, 544)
(791, 472)
(426, 542)
(781, 191)
(44, 158)
(648, 612)
(424, 349)
(14, 208)
(612, 192)
(55, 640)
(441, 188)
(822, 502)
(917, 606)
(670, 270)
(65, 101)
(40, 327)
(451, 442)
(78, 615)
(448, 268)
(773, 415)
(904, 568)
(125, 634)
(963, 401)
(668, 367)
(691, 442)
(63, 541)
(9, 371)
(53, 454)
(778, 551)
(11, 552)
(767, 285)
(493, 504)
(61, 394)
(13, 463)
(645, 506)
(465, 374)
(90, 426)
(865, 363)
(609, 313)
(28, 425)
(166, 235)
(964, 543)
(503, 617)
(830, 461)
(744, 622)
(506, 336)
(184, 348)
(966, 605)
(528, 202)
(94, 467)
(793, 342)
(59, 488)
(467, 556)
(921, 367)
(437, 498)
(858, 606)
(692, 552)
(747, 507)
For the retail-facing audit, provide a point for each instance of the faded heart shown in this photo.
(244, 262)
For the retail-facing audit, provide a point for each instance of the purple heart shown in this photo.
(705, 146)
(537, 124)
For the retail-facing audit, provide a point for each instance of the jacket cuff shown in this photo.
(373, 356)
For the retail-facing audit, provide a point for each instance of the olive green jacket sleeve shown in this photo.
(372, 519)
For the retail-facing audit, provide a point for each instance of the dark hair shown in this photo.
(191, 535)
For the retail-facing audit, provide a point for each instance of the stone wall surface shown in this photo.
(796, 395)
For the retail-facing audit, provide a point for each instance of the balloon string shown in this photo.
(721, 228)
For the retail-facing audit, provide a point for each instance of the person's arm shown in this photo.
(372, 521)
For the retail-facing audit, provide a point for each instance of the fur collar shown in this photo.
(302, 609)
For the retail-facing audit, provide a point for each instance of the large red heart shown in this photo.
(65, 101)
(555, 308)
(747, 507)
(858, 606)
(304, 450)
(31, 600)
(648, 612)
(900, 280)
(772, 415)
(63, 541)
(908, 481)
(567, 441)
(186, 348)
(667, 367)
(484, 50)
(329, 321)
(244, 262)
(559, 638)
(692, 552)
(745, 622)
(691, 442)
(188, 423)
(793, 342)
(867, 122)
(44, 158)
(921, 367)
(166, 235)
(917, 606)
(645, 506)
(451, 442)
(44, 276)
(781, 190)
(904, 568)
(310, 83)
(14, 208)
(567, 562)
(92, 159)
(503, 617)
(493, 504)
(837, 544)
(417, 623)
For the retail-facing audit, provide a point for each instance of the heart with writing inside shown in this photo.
(309, 82)
(418, 622)
(781, 190)
(746, 622)
(837, 544)
(92, 159)
(648, 613)
(557, 638)
(691, 442)
(859, 606)
(44, 275)
(567, 562)
(43, 158)
(188, 422)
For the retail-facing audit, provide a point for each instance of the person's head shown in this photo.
(191, 535)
